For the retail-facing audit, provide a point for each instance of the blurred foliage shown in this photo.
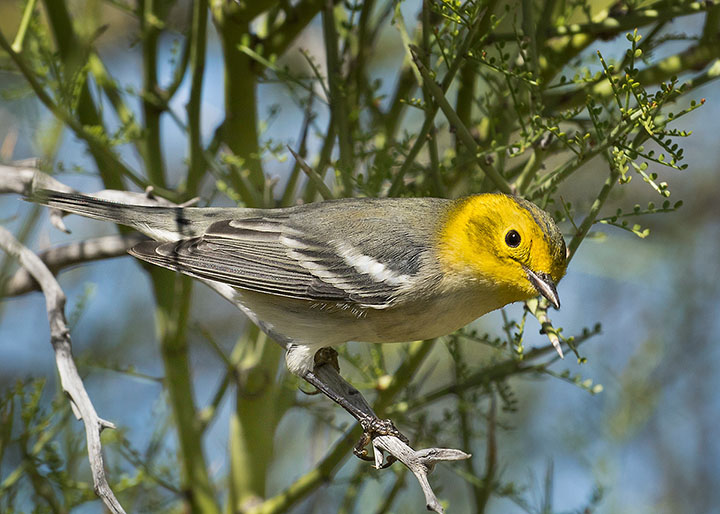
(43, 456)
(491, 95)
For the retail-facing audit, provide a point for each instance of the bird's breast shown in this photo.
(329, 324)
(424, 319)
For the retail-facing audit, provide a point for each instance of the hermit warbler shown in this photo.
(375, 270)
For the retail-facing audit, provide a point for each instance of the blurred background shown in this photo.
(644, 443)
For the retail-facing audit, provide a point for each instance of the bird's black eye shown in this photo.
(512, 239)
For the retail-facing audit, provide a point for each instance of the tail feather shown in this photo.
(163, 223)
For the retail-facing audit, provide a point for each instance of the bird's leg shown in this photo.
(327, 355)
(328, 381)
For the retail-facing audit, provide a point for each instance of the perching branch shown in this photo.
(420, 462)
(70, 379)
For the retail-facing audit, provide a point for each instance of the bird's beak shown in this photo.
(544, 285)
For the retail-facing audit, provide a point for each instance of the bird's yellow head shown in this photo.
(507, 244)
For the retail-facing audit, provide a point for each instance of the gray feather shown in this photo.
(158, 222)
(286, 252)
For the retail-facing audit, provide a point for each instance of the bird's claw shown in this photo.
(373, 427)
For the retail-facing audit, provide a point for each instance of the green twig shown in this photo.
(475, 32)
(589, 220)
(197, 44)
(17, 44)
(111, 89)
(338, 103)
(461, 130)
(182, 66)
(493, 373)
(316, 179)
(528, 173)
(151, 103)
(323, 162)
(289, 194)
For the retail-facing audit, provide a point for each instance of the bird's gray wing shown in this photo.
(267, 255)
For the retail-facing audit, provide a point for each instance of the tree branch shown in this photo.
(420, 462)
(296, 19)
(70, 380)
(462, 132)
(68, 255)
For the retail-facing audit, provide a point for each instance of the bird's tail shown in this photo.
(163, 223)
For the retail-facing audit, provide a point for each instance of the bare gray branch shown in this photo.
(420, 462)
(68, 255)
(69, 377)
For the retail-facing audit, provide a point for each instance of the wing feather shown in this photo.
(267, 256)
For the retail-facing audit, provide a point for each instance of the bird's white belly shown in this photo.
(316, 325)
(422, 320)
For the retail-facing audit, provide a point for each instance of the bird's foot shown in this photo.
(373, 427)
(327, 355)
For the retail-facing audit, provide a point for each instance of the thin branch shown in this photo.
(65, 256)
(316, 179)
(97, 144)
(589, 220)
(420, 462)
(290, 194)
(494, 373)
(474, 33)
(338, 96)
(24, 24)
(463, 133)
(198, 44)
(70, 379)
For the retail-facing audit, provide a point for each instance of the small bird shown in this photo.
(359, 269)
